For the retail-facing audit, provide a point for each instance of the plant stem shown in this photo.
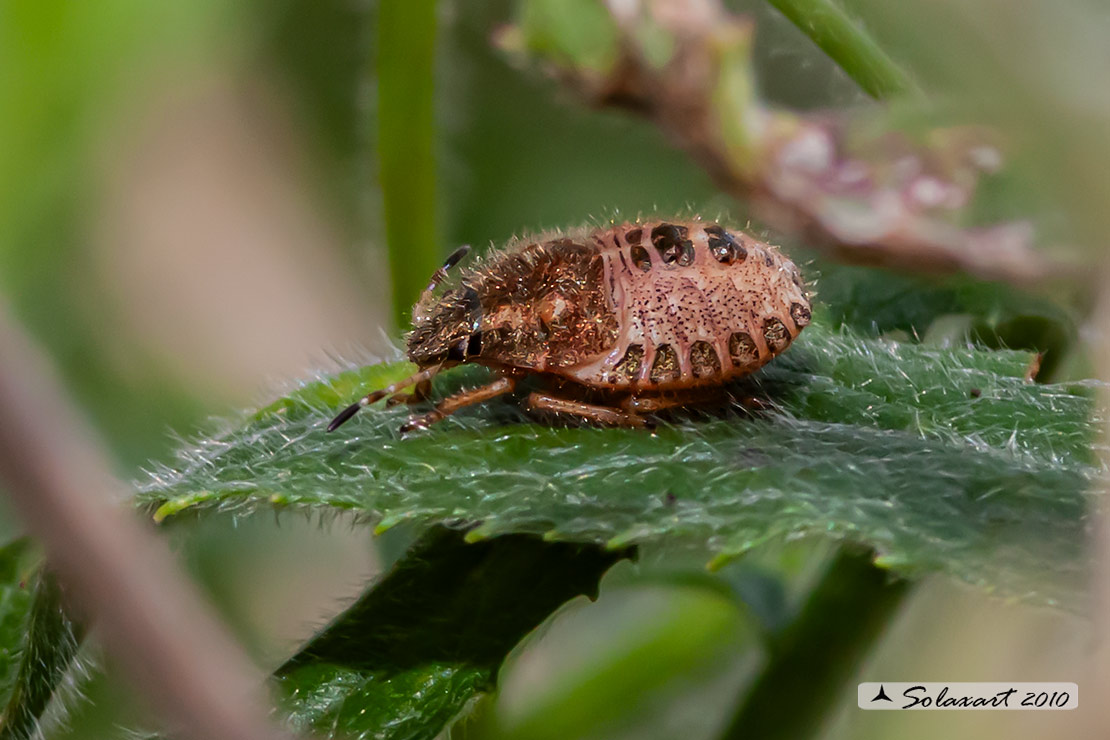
(149, 617)
(406, 142)
(848, 44)
(820, 651)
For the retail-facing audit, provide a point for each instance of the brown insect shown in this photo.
(615, 322)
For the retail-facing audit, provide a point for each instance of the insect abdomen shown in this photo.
(695, 304)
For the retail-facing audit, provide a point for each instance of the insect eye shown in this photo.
(472, 301)
(457, 352)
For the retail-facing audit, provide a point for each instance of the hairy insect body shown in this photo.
(537, 308)
(648, 315)
(688, 318)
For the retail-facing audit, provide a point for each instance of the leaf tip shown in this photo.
(719, 561)
(625, 538)
(890, 561)
(177, 505)
(479, 534)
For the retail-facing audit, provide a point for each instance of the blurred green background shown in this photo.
(191, 220)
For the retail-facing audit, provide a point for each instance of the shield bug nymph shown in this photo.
(615, 322)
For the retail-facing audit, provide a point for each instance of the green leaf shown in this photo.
(942, 460)
(17, 562)
(873, 302)
(48, 642)
(624, 664)
(578, 30)
(416, 648)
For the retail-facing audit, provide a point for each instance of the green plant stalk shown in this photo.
(849, 45)
(406, 146)
(820, 650)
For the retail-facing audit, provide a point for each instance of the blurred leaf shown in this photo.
(406, 145)
(876, 302)
(17, 562)
(603, 673)
(407, 657)
(819, 651)
(579, 30)
(48, 641)
(940, 459)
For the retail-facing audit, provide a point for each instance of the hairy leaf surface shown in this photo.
(17, 561)
(942, 460)
(38, 641)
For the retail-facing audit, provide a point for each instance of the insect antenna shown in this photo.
(441, 274)
(374, 396)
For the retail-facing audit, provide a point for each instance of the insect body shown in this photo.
(615, 322)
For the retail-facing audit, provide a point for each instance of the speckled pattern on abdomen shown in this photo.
(685, 307)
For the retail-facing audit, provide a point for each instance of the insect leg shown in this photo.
(460, 400)
(416, 379)
(587, 411)
(651, 404)
(420, 393)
